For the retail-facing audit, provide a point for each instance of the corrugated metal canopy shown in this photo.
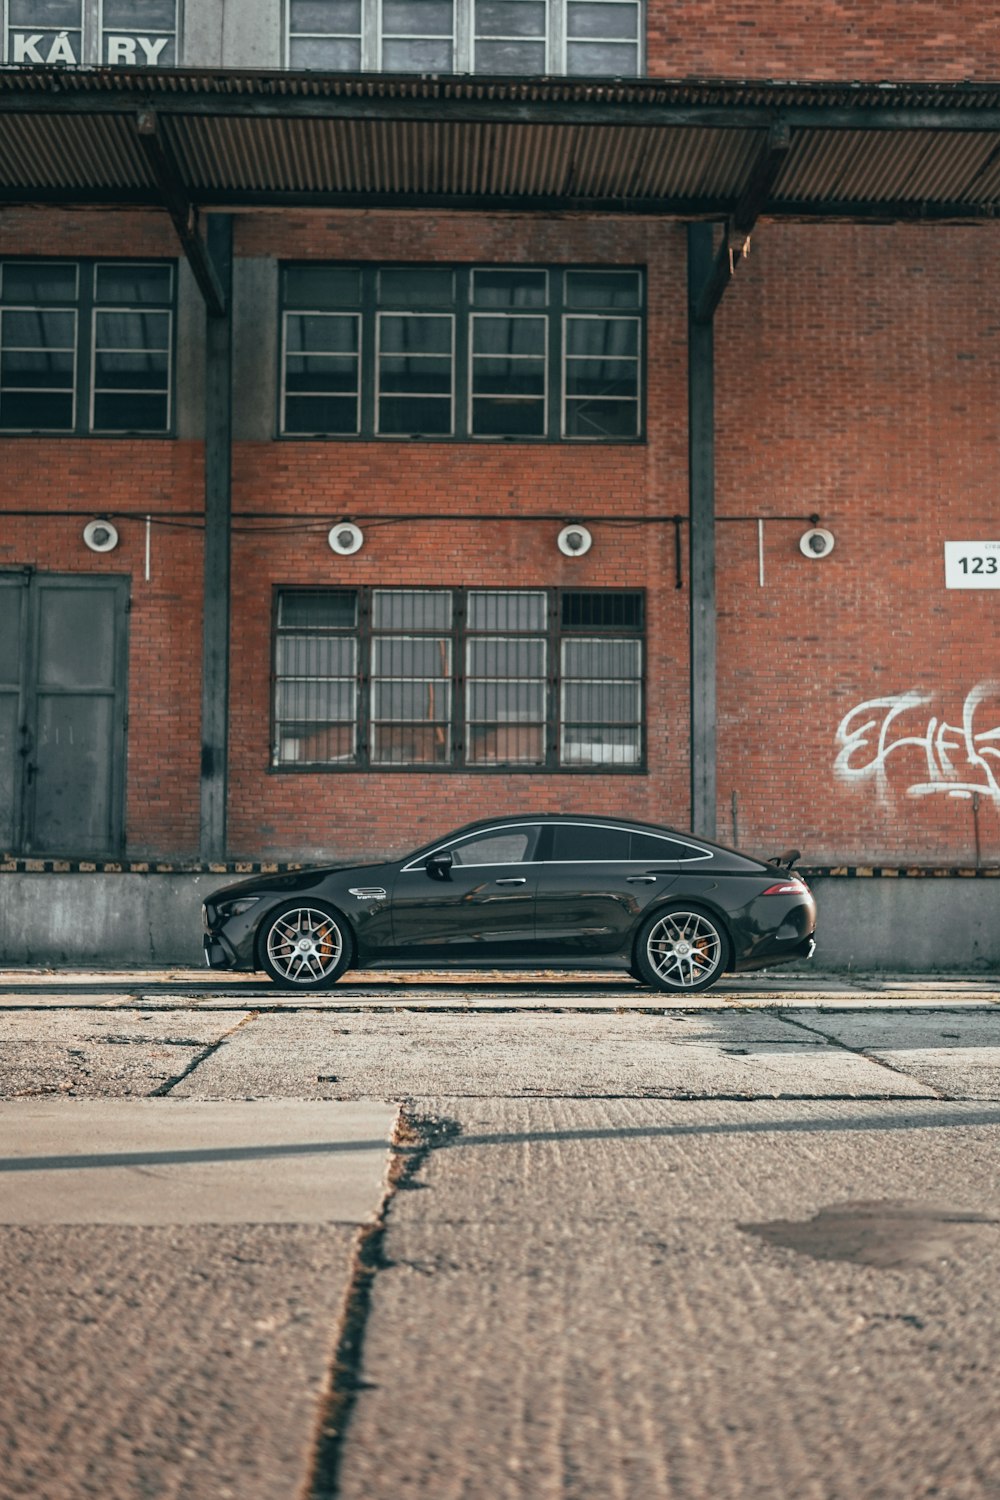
(232, 139)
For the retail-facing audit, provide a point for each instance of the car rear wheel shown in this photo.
(304, 946)
(682, 950)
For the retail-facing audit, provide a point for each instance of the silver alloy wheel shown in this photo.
(684, 949)
(304, 945)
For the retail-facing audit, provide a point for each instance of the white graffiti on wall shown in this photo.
(960, 759)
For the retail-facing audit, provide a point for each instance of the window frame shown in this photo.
(91, 32)
(459, 635)
(85, 310)
(556, 41)
(559, 308)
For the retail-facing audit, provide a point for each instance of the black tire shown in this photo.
(304, 945)
(681, 949)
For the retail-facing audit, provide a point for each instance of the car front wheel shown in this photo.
(304, 946)
(681, 951)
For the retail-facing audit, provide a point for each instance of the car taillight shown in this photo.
(786, 888)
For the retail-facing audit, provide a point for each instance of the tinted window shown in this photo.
(587, 841)
(649, 846)
(498, 847)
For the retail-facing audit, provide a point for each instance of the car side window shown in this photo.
(498, 847)
(650, 847)
(589, 842)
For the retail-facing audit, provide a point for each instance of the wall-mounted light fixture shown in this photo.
(345, 538)
(817, 542)
(100, 536)
(574, 541)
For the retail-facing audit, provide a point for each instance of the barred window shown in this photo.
(86, 346)
(472, 353)
(447, 679)
(592, 38)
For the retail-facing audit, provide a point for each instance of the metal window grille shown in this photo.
(600, 38)
(459, 679)
(470, 353)
(86, 346)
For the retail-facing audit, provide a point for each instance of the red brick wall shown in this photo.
(855, 371)
(833, 39)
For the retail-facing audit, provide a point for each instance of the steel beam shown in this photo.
(218, 523)
(701, 483)
(740, 224)
(178, 203)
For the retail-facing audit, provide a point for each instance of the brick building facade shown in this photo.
(459, 663)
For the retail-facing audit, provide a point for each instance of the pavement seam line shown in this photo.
(209, 1051)
(411, 1142)
(871, 1057)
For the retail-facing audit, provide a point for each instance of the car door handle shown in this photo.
(511, 880)
(641, 879)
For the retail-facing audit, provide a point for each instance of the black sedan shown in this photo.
(523, 893)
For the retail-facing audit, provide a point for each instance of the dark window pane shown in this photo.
(601, 419)
(318, 609)
(596, 336)
(321, 373)
(602, 377)
(130, 372)
(36, 14)
(326, 414)
(38, 281)
(508, 335)
(399, 334)
(118, 281)
(325, 54)
(41, 412)
(508, 418)
(512, 377)
(592, 610)
(603, 289)
(509, 288)
(419, 374)
(25, 371)
(585, 841)
(132, 330)
(132, 413)
(421, 286)
(322, 286)
(411, 414)
(36, 329)
(323, 333)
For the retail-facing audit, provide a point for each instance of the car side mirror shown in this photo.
(439, 865)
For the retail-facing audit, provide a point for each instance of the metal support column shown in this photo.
(701, 483)
(216, 585)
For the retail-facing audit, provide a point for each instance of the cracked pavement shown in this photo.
(476, 1238)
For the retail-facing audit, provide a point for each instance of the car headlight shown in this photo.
(228, 909)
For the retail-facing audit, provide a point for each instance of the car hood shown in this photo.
(291, 880)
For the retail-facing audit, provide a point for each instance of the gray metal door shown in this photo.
(63, 655)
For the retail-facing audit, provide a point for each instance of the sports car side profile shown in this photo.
(529, 892)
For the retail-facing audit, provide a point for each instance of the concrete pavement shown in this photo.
(747, 1247)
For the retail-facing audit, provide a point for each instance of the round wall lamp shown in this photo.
(100, 536)
(345, 538)
(574, 541)
(817, 542)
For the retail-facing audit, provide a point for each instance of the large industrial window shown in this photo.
(85, 346)
(117, 33)
(473, 353)
(591, 38)
(474, 679)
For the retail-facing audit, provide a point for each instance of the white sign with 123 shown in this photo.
(972, 565)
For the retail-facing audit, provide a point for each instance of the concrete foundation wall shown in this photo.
(925, 925)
